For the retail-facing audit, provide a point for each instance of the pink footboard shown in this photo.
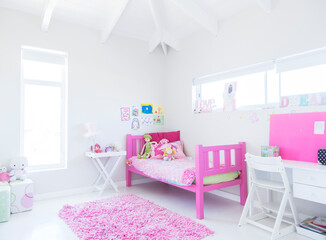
(210, 160)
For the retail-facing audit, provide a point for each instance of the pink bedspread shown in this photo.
(178, 171)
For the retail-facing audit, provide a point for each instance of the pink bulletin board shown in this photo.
(294, 134)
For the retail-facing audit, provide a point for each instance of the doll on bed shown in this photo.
(146, 151)
(168, 154)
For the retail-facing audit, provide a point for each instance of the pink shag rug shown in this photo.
(129, 217)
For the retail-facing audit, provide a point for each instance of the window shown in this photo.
(248, 90)
(246, 86)
(304, 81)
(297, 80)
(43, 130)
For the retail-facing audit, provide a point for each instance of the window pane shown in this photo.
(250, 90)
(42, 71)
(213, 90)
(303, 81)
(42, 124)
(273, 89)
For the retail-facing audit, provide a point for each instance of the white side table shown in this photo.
(104, 162)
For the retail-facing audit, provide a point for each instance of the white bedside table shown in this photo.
(104, 162)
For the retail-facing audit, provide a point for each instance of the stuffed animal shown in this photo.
(18, 169)
(168, 154)
(116, 147)
(146, 151)
(97, 148)
(4, 176)
(108, 149)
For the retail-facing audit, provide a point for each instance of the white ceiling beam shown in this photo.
(198, 14)
(47, 14)
(157, 39)
(120, 8)
(171, 41)
(266, 5)
(155, 14)
(154, 42)
(162, 37)
(164, 48)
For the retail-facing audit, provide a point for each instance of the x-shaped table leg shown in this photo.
(104, 174)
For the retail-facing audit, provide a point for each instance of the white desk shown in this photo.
(309, 180)
(309, 183)
(104, 167)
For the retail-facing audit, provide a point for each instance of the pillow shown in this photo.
(171, 136)
(157, 150)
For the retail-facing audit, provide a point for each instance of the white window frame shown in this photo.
(263, 67)
(63, 88)
(279, 65)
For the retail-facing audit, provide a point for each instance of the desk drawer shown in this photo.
(311, 193)
(313, 178)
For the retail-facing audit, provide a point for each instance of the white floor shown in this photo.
(221, 215)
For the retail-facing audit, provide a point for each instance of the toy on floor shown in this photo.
(18, 169)
(4, 175)
(146, 151)
(168, 154)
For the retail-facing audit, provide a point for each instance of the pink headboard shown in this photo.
(294, 134)
(171, 136)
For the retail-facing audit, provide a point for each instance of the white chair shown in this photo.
(269, 210)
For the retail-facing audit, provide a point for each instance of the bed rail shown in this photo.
(134, 144)
(220, 159)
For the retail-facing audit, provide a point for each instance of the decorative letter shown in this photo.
(323, 99)
(313, 99)
(284, 102)
(304, 100)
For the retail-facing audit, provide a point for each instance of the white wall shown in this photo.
(101, 79)
(104, 77)
(250, 37)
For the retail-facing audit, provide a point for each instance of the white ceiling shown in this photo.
(160, 22)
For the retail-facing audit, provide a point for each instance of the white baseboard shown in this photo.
(135, 182)
(84, 190)
(226, 195)
(65, 193)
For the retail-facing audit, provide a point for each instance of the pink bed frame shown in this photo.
(135, 142)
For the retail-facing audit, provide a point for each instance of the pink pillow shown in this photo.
(158, 150)
(171, 136)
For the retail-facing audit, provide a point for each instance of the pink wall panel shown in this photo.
(294, 134)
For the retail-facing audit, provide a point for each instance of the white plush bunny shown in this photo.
(18, 169)
(3, 169)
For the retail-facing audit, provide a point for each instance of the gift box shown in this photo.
(4, 202)
(21, 196)
(270, 151)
